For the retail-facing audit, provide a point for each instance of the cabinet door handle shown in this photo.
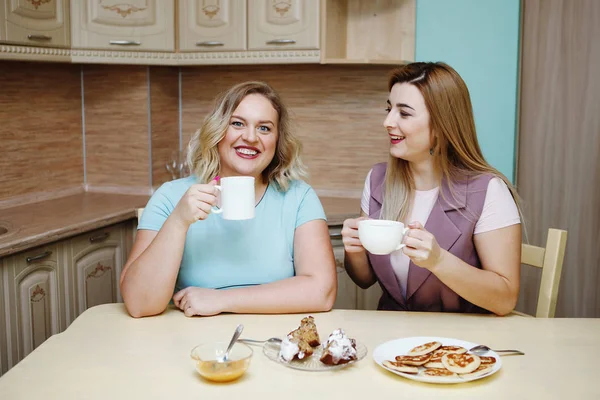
(125, 42)
(42, 38)
(281, 41)
(210, 44)
(335, 236)
(39, 256)
(99, 238)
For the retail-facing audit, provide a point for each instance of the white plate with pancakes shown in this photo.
(435, 360)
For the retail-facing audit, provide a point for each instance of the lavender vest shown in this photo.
(452, 222)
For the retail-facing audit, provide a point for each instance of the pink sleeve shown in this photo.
(366, 195)
(499, 208)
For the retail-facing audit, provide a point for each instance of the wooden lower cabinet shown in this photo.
(3, 327)
(347, 289)
(35, 299)
(43, 290)
(350, 296)
(97, 261)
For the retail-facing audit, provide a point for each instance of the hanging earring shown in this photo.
(431, 151)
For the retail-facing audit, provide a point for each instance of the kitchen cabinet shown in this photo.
(369, 32)
(44, 289)
(347, 290)
(35, 298)
(209, 32)
(36, 22)
(217, 25)
(97, 259)
(2, 21)
(284, 24)
(132, 25)
(3, 344)
(350, 296)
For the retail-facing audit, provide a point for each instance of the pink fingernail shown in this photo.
(217, 178)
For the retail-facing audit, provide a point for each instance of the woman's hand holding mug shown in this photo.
(421, 247)
(350, 238)
(196, 203)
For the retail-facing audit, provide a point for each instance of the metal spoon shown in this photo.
(252, 341)
(236, 335)
(482, 349)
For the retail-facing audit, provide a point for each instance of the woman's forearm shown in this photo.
(358, 268)
(292, 295)
(148, 283)
(485, 289)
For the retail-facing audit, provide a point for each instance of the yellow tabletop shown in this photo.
(105, 354)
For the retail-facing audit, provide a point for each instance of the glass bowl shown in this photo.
(205, 358)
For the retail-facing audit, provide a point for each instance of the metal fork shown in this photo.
(252, 341)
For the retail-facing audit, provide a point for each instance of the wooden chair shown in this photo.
(550, 259)
(139, 213)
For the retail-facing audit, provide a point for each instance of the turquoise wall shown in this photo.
(480, 39)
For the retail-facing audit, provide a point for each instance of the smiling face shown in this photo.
(251, 139)
(407, 123)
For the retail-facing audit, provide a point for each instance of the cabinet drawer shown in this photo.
(109, 235)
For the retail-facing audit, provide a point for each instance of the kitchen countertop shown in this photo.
(48, 221)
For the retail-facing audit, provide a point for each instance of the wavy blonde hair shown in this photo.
(455, 147)
(203, 155)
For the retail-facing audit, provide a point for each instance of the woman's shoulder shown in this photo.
(175, 189)
(296, 187)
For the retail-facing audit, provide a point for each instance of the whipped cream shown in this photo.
(340, 346)
(289, 349)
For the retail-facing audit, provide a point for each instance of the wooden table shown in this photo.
(105, 354)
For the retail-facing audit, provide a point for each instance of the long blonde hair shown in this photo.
(456, 151)
(203, 155)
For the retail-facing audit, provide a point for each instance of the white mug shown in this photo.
(380, 236)
(237, 197)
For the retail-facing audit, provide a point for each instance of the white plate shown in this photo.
(389, 351)
(313, 362)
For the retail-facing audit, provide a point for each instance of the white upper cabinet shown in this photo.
(2, 22)
(35, 22)
(212, 25)
(123, 25)
(283, 24)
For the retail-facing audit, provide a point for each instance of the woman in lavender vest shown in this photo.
(463, 248)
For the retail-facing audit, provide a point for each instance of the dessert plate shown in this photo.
(389, 351)
(313, 362)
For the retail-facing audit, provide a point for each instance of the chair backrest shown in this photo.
(550, 259)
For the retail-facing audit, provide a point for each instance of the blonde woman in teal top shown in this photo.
(279, 262)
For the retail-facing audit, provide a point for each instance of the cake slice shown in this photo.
(292, 347)
(299, 343)
(308, 331)
(339, 349)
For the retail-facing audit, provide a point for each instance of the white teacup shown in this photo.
(380, 236)
(237, 198)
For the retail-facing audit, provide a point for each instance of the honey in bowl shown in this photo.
(205, 357)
